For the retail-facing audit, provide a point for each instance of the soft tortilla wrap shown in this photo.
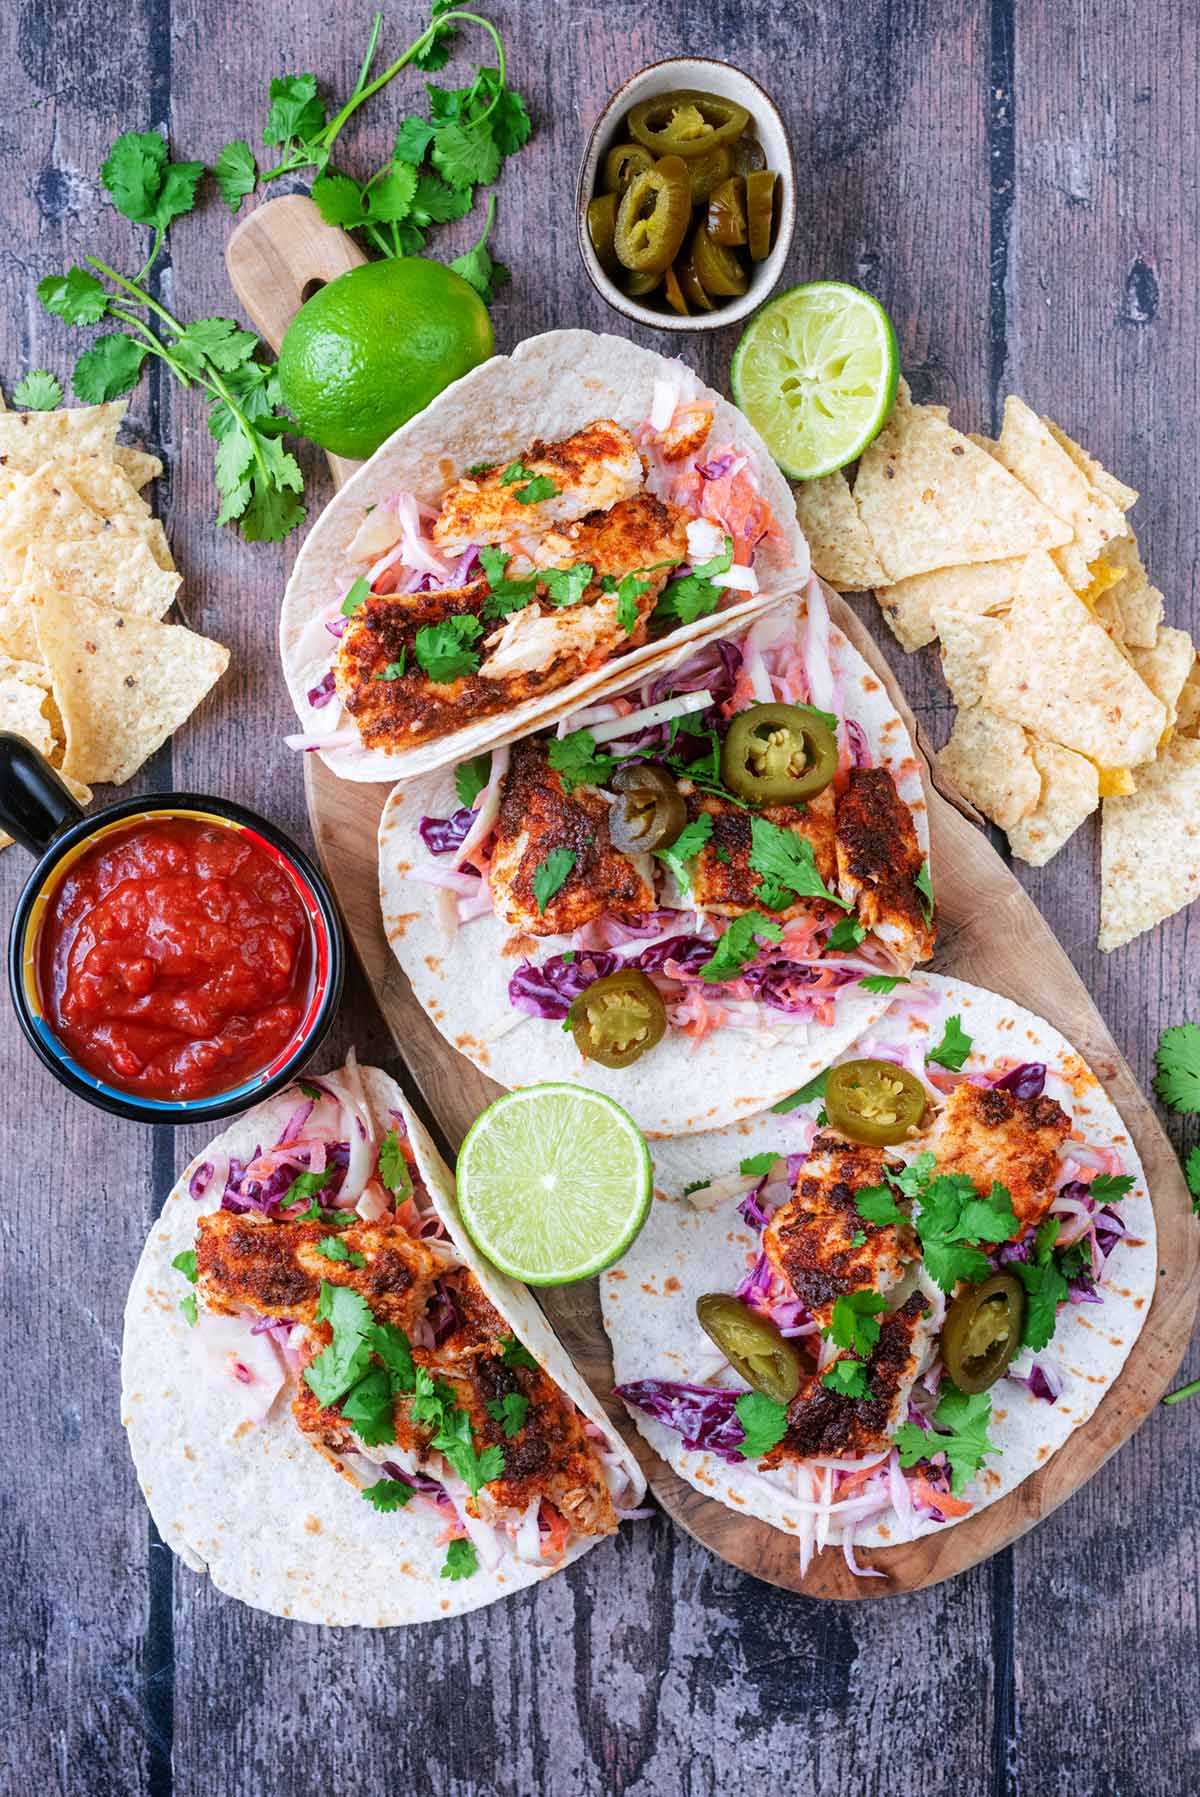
(680, 1086)
(649, 1299)
(255, 1506)
(550, 386)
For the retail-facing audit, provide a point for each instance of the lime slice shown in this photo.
(816, 374)
(554, 1182)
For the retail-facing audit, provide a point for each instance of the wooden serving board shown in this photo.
(991, 933)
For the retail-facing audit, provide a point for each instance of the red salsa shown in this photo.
(176, 958)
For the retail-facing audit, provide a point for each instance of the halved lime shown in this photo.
(816, 374)
(554, 1182)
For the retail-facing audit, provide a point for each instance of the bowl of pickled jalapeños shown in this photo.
(686, 196)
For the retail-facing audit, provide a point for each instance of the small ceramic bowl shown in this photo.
(706, 75)
(37, 809)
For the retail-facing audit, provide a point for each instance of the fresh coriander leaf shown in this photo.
(187, 1307)
(695, 1185)
(461, 1560)
(566, 586)
(567, 956)
(913, 1178)
(550, 876)
(756, 1166)
(514, 1353)
(453, 1439)
(308, 1091)
(509, 120)
(38, 392)
(686, 846)
(723, 855)
(1110, 1188)
(295, 112)
(954, 1047)
(694, 596)
(852, 1323)
(393, 1348)
(504, 596)
(952, 1219)
(78, 297)
(108, 369)
(344, 1361)
(478, 468)
(576, 760)
(412, 140)
(763, 1421)
(393, 1166)
(470, 778)
(541, 487)
(338, 199)
(627, 598)
(805, 1095)
(858, 1238)
(877, 1204)
(1177, 1059)
(144, 185)
(356, 598)
(444, 651)
(514, 472)
(236, 172)
(465, 154)
(845, 935)
(272, 512)
(882, 983)
(332, 1247)
(948, 1262)
(367, 1407)
(737, 945)
(1191, 1172)
(786, 866)
(848, 1378)
(432, 1398)
(924, 886)
(435, 54)
(389, 200)
(436, 204)
(394, 669)
(479, 268)
(962, 1422)
(509, 1411)
(1045, 1287)
(388, 1494)
(217, 340)
(185, 1263)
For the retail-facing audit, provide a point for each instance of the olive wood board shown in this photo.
(990, 933)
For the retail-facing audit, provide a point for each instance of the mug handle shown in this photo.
(35, 805)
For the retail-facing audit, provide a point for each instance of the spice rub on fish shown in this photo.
(724, 882)
(538, 817)
(245, 1261)
(825, 1422)
(547, 484)
(810, 1241)
(879, 861)
(988, 1133)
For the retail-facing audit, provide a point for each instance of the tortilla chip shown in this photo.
(910, 605)
(842, 552)
(1130, 609)
(138, 465)
(931, 499)
(1166, 667)
(1187, 717)
(106, 488)
(22, 703)
(1027, 449)
(1070, 792)
(1053, 668)
(1150, 846)
(30, 439)
(1123, 497)
(122, 683)
(988, 759)
(44, 504)
(967, 639)
(113, 569)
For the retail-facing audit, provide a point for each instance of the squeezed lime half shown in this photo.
(816, 373)
(554, 1182)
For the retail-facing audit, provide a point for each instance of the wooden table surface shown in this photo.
(1018, 185)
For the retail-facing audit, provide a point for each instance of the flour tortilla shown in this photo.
(649, 1298)
(679, 1086)
(550, 386)
(255, 1506)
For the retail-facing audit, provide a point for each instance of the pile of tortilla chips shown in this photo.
(1073, 693)
(88, 672)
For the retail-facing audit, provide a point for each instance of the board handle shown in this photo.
(276, 259)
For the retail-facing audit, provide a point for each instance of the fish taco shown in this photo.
(873, 1311)
(334, 1407)
(541, 531)
(691, 895)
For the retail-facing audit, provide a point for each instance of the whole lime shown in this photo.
(373, 347)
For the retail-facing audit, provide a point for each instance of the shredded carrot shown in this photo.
(926, 1493)
(554, 1542)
